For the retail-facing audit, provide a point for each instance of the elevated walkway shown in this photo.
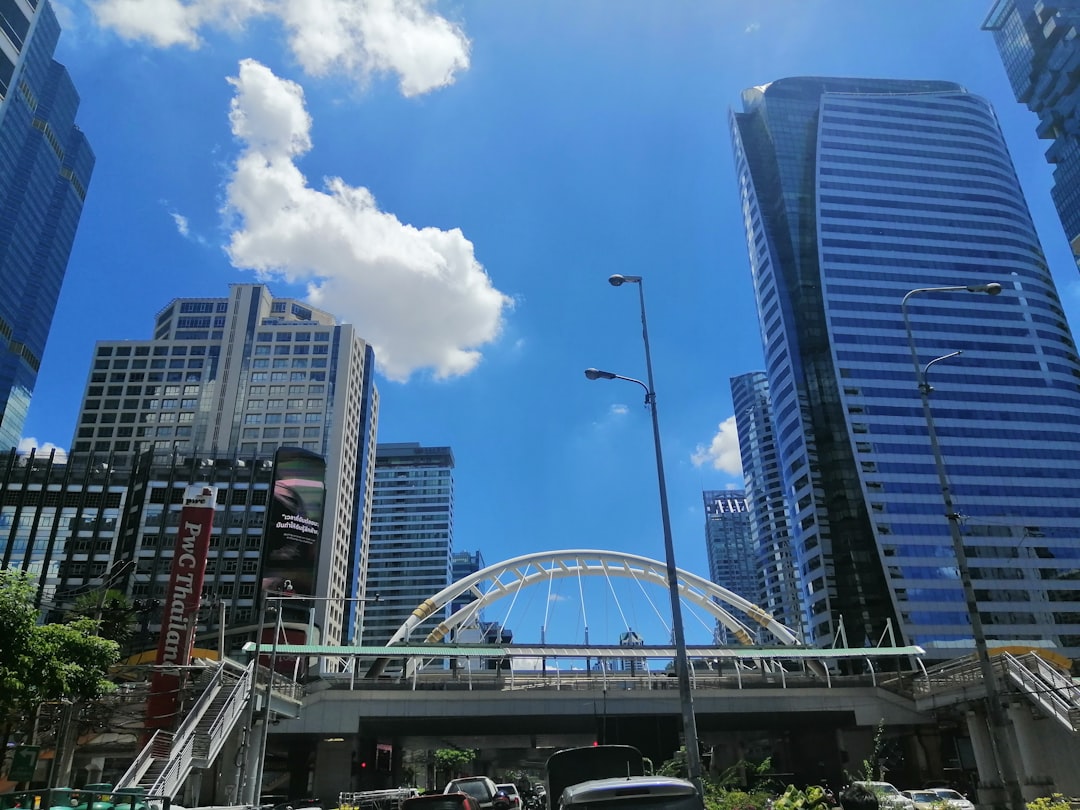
(1039, 677)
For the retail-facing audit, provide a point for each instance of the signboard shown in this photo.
(24, 759)
(181, 605)
(294, 523)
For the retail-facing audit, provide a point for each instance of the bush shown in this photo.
(1053, 802)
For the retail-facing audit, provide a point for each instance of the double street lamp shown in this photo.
(995, 711)
(682, 663)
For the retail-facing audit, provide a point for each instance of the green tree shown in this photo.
(111, 609)
(44, 663)
(451, 761)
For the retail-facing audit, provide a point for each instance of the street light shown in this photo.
(682, 663)
(995, 712)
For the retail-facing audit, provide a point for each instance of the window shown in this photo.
(313, 417)
(253, 419)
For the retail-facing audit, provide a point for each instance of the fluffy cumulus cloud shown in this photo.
(356, 38)
(418, 295)
(40, 449)
(722, 453)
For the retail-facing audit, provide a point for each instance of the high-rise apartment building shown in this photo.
(412, 536)
(219, 388)
(770, 528)
(1039, 44)
(462, 564)
(730, 547)
(854, 193)
(45, 168)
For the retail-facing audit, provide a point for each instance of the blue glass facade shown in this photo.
(730, 547)
(45, 168)
(770, 527)
(1039, 44)
(854, 193)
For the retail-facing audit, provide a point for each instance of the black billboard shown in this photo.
(294, 523)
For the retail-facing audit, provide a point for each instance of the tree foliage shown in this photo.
(112, 610)
(42, 663)
(452, 760)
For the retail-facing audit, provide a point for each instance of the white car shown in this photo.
(925, 799)
(511, 791)
(955, 800)
(889, 798)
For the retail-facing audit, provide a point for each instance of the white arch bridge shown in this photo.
(761, 637)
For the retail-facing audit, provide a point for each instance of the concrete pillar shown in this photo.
(333, 768)
(1032, 750)
(991, 793)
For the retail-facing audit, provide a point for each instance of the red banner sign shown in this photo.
(181, 605)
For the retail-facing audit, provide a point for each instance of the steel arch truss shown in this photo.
(506, 579)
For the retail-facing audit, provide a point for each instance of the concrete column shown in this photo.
(1033, 751)
(333, 769)
(991, 793)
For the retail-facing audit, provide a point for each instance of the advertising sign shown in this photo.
(294, 523)
(181, 605)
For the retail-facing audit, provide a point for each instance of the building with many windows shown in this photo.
(730, 546)
(770, 528)
(1040, 49)
(856, 192)
(412, 536)
(222, 384)
(45, 168)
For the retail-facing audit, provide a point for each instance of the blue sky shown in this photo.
(459, 180)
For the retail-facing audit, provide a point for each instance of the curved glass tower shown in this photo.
(854, 193)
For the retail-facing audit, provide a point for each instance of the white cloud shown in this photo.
(619, 410)
(181, 223)
(723, 451)
(43, 449)
(355, 38)
(752, 28)
(418, 295)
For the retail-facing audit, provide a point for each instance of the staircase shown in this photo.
(1046, 686)
(168, 758)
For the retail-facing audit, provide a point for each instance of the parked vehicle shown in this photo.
(925, 799)
(889, 798)
(441, 801)
(954, 799)
(481, 788)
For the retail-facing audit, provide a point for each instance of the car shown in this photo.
(441, 801)
(512, 793)
(889, 798)
(925, 799)
(481, 788)
(954, 799)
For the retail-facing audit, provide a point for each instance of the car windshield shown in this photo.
(477, 789)
(924, 796)
(884, 790)
(510, 790)
(945, 793)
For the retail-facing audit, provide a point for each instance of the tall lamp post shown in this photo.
(995, 712)
(682, 663)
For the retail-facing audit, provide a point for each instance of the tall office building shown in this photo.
(45, 168)
(770, 528)
(412, 536)
(220, 387)
(1039, 44)
(854, 193)
(462, 564)
(730, 547)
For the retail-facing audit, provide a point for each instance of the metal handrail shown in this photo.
(1045, 686)
(146, 757)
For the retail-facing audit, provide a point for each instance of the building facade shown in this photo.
(854, 193)
(730, 546)
(412, 536)
(462, 564)
(1039, 46)
(222, 384)
(45, 168)
(770, 527)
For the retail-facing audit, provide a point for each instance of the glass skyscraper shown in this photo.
(1039, 44)
(45, 168)
(412, 536)
(768, 508)
(730, 547)
(855, 192)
